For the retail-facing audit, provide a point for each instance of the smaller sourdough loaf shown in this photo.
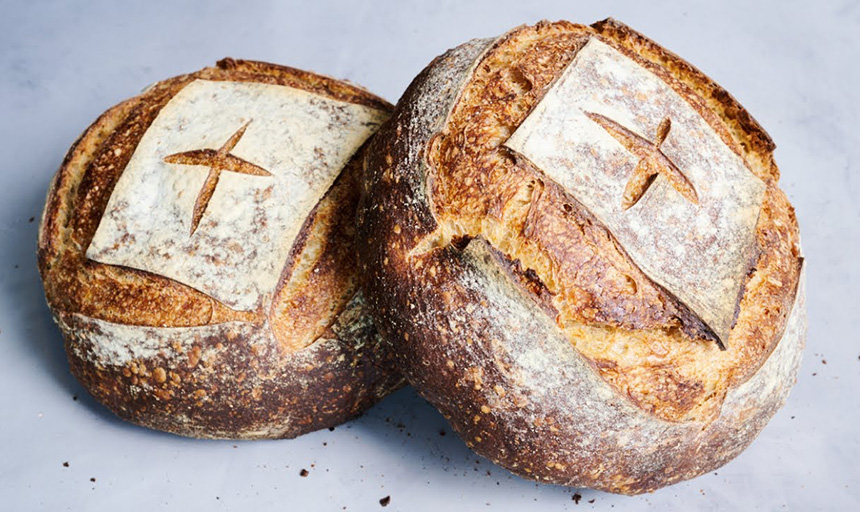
(576, 243)
(197, 251)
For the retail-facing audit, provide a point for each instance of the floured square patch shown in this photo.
(220, 184)
(646, 163)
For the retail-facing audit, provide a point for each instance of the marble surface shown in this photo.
(791, 63)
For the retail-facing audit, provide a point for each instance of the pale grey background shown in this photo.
(793, 64)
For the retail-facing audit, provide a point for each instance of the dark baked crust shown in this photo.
(233, 383)
(312, 376)
(527, 379)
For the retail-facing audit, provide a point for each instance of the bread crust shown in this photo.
(164, 355)
(480, 332)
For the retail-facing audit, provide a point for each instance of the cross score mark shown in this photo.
(217, 160)
(652, 161)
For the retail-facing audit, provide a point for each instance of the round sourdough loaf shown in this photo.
(197, 251)
(576, 244)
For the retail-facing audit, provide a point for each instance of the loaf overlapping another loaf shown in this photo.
(578, 250)
(197, 249)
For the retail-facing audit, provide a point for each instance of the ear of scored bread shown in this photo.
(469, 295)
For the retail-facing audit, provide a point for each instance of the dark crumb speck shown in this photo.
(31, 219)
(824, 361)
(814, 374)
(217, 497)
(792, 417)
(325, 444)
(75, 398)
(303, 472)
(576, 497)
(442, 433)
(65, 464)
(93, 479)
(331, 429)
(591, 501)
(385, 501)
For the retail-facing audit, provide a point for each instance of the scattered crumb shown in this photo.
(75, 398)
(325, 444)
(93, 479)
(385, 501)
(31, 219)
(592, 500)
(576, 497)
(814, 374)
(442, 433)
(331, 429)
(303, 472)
(65, 464)
(824, 361)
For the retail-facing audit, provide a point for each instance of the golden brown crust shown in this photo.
(81, 291)
(543, 344)
(479, 189)
(85, 183)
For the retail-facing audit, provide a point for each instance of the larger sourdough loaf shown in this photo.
(197, 251)
(578, 248)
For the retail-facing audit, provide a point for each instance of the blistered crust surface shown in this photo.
(607, 386)
(640, 336)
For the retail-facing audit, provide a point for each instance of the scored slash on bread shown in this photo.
(217, 161)
(652, 161)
